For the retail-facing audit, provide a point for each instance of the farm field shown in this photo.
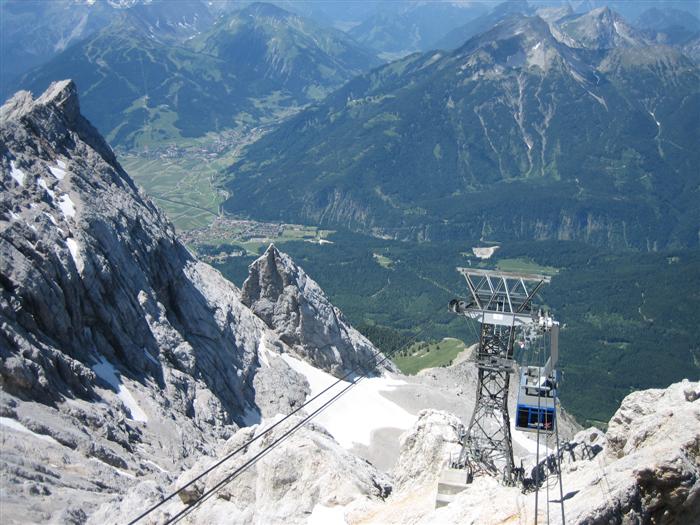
(181, 175)
(229, 234)
(182, 188)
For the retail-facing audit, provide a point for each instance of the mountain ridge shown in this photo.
(499, 114)
(295, 306)
(121, 352)
(235, 74)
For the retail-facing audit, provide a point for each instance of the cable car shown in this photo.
(537, 394)
(536, 410)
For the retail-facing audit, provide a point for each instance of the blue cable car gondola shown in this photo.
(536, 409)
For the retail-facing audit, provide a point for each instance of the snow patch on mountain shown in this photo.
(65, 203)
(106, 371)
(42, 184)
(17, 174)
(58, 171)
(74, 249)
(357, 413)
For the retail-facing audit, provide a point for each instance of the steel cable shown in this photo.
(252, 461)
(539, 414)
(561, 486)
(353, 372)
(279, 440)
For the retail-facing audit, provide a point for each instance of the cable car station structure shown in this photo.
(502, 303)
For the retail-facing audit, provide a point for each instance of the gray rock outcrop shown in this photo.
(645, 469)
(121, 354)
(285, 486)
(427, 448)
(295, 307)
(653, 459)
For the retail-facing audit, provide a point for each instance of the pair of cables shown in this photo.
(353, 377)
(540, 359)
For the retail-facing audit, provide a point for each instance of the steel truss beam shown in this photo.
(501, 302)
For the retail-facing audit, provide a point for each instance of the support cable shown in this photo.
(236, 451)
(361, 369)
(471, 325)
(252, 461)
(559, 458)
(608, 494)
(539, 414)
(546, 446)
(279, 440)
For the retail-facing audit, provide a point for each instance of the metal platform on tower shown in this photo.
(502, 303)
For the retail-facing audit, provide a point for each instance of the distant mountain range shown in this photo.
(138, 85)
(155, 70)
(459, 35)
(416, 27)
(590, 26)
(34, 31)
(586, 132)
(673, 27)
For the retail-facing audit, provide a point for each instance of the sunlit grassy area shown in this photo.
(254, 247)
(181, 187)
(423, 355)
(235, 234)
(383, 260)
(524, 265)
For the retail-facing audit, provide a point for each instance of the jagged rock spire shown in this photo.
(295, 306)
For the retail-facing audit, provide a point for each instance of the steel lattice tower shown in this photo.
(502, 303)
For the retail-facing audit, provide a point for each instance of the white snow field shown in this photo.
(353, 417)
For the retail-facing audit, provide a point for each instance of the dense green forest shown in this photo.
(628, 319)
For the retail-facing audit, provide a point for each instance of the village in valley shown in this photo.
(228, 237)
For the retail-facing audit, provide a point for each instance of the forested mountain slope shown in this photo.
(513, 136)
(138, 86)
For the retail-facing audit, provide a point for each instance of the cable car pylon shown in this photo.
(502, 303)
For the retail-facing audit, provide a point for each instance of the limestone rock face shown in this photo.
(284, 486)
(656, 435)
(427, 448)
(645, 469)
(656, 417)
(295, 307)
(121, 354)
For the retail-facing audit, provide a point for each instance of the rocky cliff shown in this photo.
(122, 355)
(126, 365)
(427, 448)
(295, 307)
(306, 479)
(644, 469)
